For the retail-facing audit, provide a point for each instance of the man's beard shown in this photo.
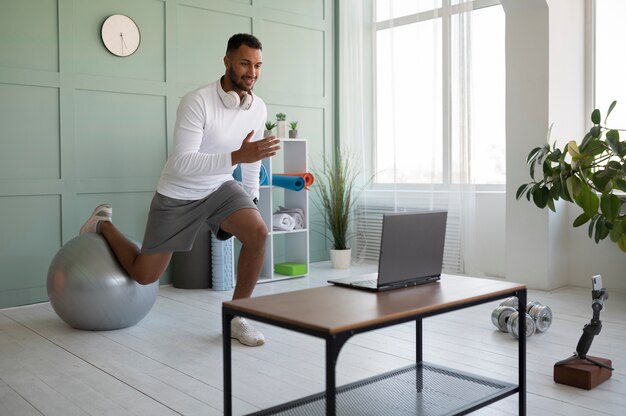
(240, 86)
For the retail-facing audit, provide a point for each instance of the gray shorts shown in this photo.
(174, 223)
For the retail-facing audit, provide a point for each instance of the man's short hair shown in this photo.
(239, 39)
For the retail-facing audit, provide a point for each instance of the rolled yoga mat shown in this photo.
(294, 183)
(263, 178)
(308, 177)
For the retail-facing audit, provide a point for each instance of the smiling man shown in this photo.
(218, 126)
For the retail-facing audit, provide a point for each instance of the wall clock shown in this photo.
(120, 35)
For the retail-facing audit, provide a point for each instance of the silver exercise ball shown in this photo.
(89, 290)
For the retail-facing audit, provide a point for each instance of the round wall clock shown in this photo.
(120, 35)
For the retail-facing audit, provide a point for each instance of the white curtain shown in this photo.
(423, 113)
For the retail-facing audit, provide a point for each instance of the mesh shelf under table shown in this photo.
(444, 392)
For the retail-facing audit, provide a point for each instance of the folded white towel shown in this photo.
(296, 213)
(283, 222)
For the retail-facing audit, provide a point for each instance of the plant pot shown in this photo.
(293, 134)
(267, 133)
(340, 259)
(282, 129)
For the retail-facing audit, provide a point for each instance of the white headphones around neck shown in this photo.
(232, 100)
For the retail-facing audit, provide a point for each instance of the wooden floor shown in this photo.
(171, 362)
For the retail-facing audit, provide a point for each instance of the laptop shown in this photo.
(411, 252)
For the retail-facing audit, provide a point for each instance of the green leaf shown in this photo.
(550, 203)
(572, 149)
(602, 231)
(617, 231)
(547, 169)
(588, 200)
(541, 196)
(610, 206)
(520, 191)
(613, 168)
(595, 131)
(581, 219)
(555, 191)
(595, 116)
(555, 155)
(612, 140)
(612, 134)
(573, 187)
(611, 107)
(593, 221)
(600, 179)
(565, 194)
(622, 243)
(532, 155)
(594, 148)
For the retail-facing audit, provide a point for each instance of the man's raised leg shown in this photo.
(144, 268)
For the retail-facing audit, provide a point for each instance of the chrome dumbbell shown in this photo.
(541, 314)
(505, 318)
(512, 324)
(500, 316)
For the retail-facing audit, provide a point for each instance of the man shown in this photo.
(196, 184)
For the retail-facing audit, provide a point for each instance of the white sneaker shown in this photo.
(245, 333)
(102, 212)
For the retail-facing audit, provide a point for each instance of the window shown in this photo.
(610, 61)
(417, 74)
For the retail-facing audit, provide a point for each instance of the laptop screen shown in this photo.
(411, 246)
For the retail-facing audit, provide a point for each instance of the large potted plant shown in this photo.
(336, 187)
(590, 174)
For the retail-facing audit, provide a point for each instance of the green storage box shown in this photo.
(290, 269)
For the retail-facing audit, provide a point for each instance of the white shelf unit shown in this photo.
(284, 246)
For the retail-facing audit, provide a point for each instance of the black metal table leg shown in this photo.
(228, 398)
(418, 341)
(419, 380)
(522, 298)
(330, 377)
(333, 347)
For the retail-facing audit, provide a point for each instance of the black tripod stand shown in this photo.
(590, 330)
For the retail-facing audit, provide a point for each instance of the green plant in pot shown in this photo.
(590, 174)
(281, 125)
(269, 126)
(336, 189)
(293, 130)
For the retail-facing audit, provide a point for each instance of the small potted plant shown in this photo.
(282, 125)
(269, 126)
(293, 133)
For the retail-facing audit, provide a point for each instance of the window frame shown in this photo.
(445, 12)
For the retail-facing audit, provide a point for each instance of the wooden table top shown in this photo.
(333, 309)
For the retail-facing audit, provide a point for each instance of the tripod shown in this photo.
(590, 330)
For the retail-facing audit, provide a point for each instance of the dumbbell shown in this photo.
(513, 328)
(540, 314)
(505, 318)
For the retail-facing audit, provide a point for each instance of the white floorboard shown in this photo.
(171, 362)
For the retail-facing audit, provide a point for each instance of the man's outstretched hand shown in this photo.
(253, 151)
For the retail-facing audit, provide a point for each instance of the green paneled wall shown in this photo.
(79, 126)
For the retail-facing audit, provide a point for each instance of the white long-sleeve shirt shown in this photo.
(205, 134)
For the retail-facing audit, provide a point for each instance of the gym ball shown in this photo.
(90, 290)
